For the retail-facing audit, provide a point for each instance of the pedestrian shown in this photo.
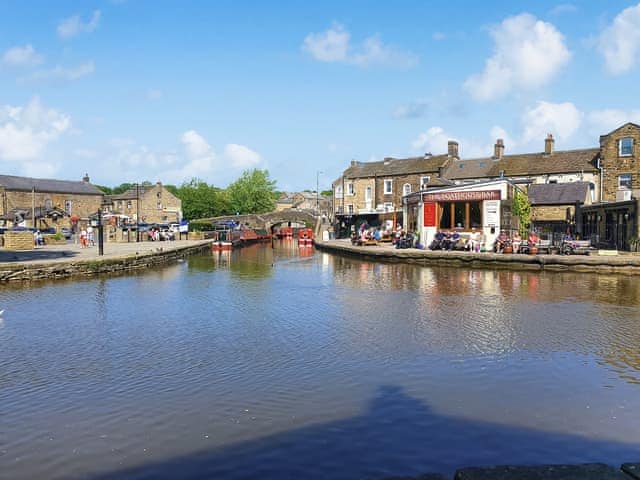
(83, 238)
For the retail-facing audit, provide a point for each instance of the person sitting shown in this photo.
(455, 237)
(533, 239)
(501, 242)
(516, 240)
(474, 244)
(376, 235)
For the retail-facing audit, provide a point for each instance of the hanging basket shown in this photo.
(74, 218)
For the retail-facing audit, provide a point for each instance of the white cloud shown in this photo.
(438, 36)
(528, 53)
(619, 43)
(26, 131)
(434, 140)
(64, 73)
(72, 26)
(411, 110)
(241, 156)
(601, 122)
(154, 94)
(563, 8)
(499, 132)
(21, 57)
(561, 119)
(333, 45)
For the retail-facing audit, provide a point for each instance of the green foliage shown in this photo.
(105, 190)
(201, 200)
(253, 192)
(172, 188)
(326, 193)
(57, 236)
(200, 226)
(522, 210)
(123, 187)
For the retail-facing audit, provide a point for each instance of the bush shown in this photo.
(200, 226)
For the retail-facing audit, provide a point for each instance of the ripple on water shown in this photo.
(228, 369)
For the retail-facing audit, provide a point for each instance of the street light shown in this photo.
(318, 172)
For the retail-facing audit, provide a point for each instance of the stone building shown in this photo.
(546, 167)
(620, 163)
(53, 203)
(554, 205)
(610, 174)
(146, 203)
(373, 191)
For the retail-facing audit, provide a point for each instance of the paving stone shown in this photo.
(592, 471)
(632, 469)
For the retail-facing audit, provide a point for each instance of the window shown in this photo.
(388, 206)
(350, 209)
(48, 204)
(350, 190)
(624, 181)
(406, 189)
(129, 204)
(159, 205)
(625, 147)
(339, 191)
(424, 181)
(460, 215)
(67, 206)
(388, 187)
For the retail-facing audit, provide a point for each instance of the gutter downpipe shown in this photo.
(601, 169)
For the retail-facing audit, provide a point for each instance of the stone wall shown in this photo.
(53, 270)
(19, 240)
(542, 213)
(81, 205)
(615, 165)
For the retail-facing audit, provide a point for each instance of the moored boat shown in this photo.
(305, 237)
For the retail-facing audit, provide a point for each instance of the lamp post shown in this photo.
(318, 172)
(137, 212)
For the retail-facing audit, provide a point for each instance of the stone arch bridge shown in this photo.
(268, 221)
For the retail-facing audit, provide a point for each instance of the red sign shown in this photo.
(430, 215)
(477, 195)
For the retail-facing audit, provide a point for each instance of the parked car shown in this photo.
(66, 232)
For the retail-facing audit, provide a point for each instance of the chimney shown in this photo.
(548, 144)
(498, 149)
(354, 163)
(428, 155)
(452, 148)
(85, 179)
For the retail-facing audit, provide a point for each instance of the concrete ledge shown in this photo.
(593, 471)
(26, 271)
(624, 264)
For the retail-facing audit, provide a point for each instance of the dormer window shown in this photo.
(424, 181)
(625, 147)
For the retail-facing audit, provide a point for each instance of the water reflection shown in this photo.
(262, 361)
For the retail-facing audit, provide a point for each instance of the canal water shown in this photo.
(287, 363)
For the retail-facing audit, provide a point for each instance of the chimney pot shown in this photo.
(549, 144)
(452, 149)
(498, 149)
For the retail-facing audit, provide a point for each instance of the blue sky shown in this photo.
(155, 90)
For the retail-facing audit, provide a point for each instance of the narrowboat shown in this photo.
(305, 237)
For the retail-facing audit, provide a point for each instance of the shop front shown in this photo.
(462, 209)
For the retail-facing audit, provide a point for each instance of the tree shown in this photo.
(201, 200)
(105, 190)
(326, 193)
(253, 192)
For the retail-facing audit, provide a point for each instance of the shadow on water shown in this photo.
(396, 435)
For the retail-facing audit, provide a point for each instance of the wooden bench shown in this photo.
(544, 246)
(577, 247)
